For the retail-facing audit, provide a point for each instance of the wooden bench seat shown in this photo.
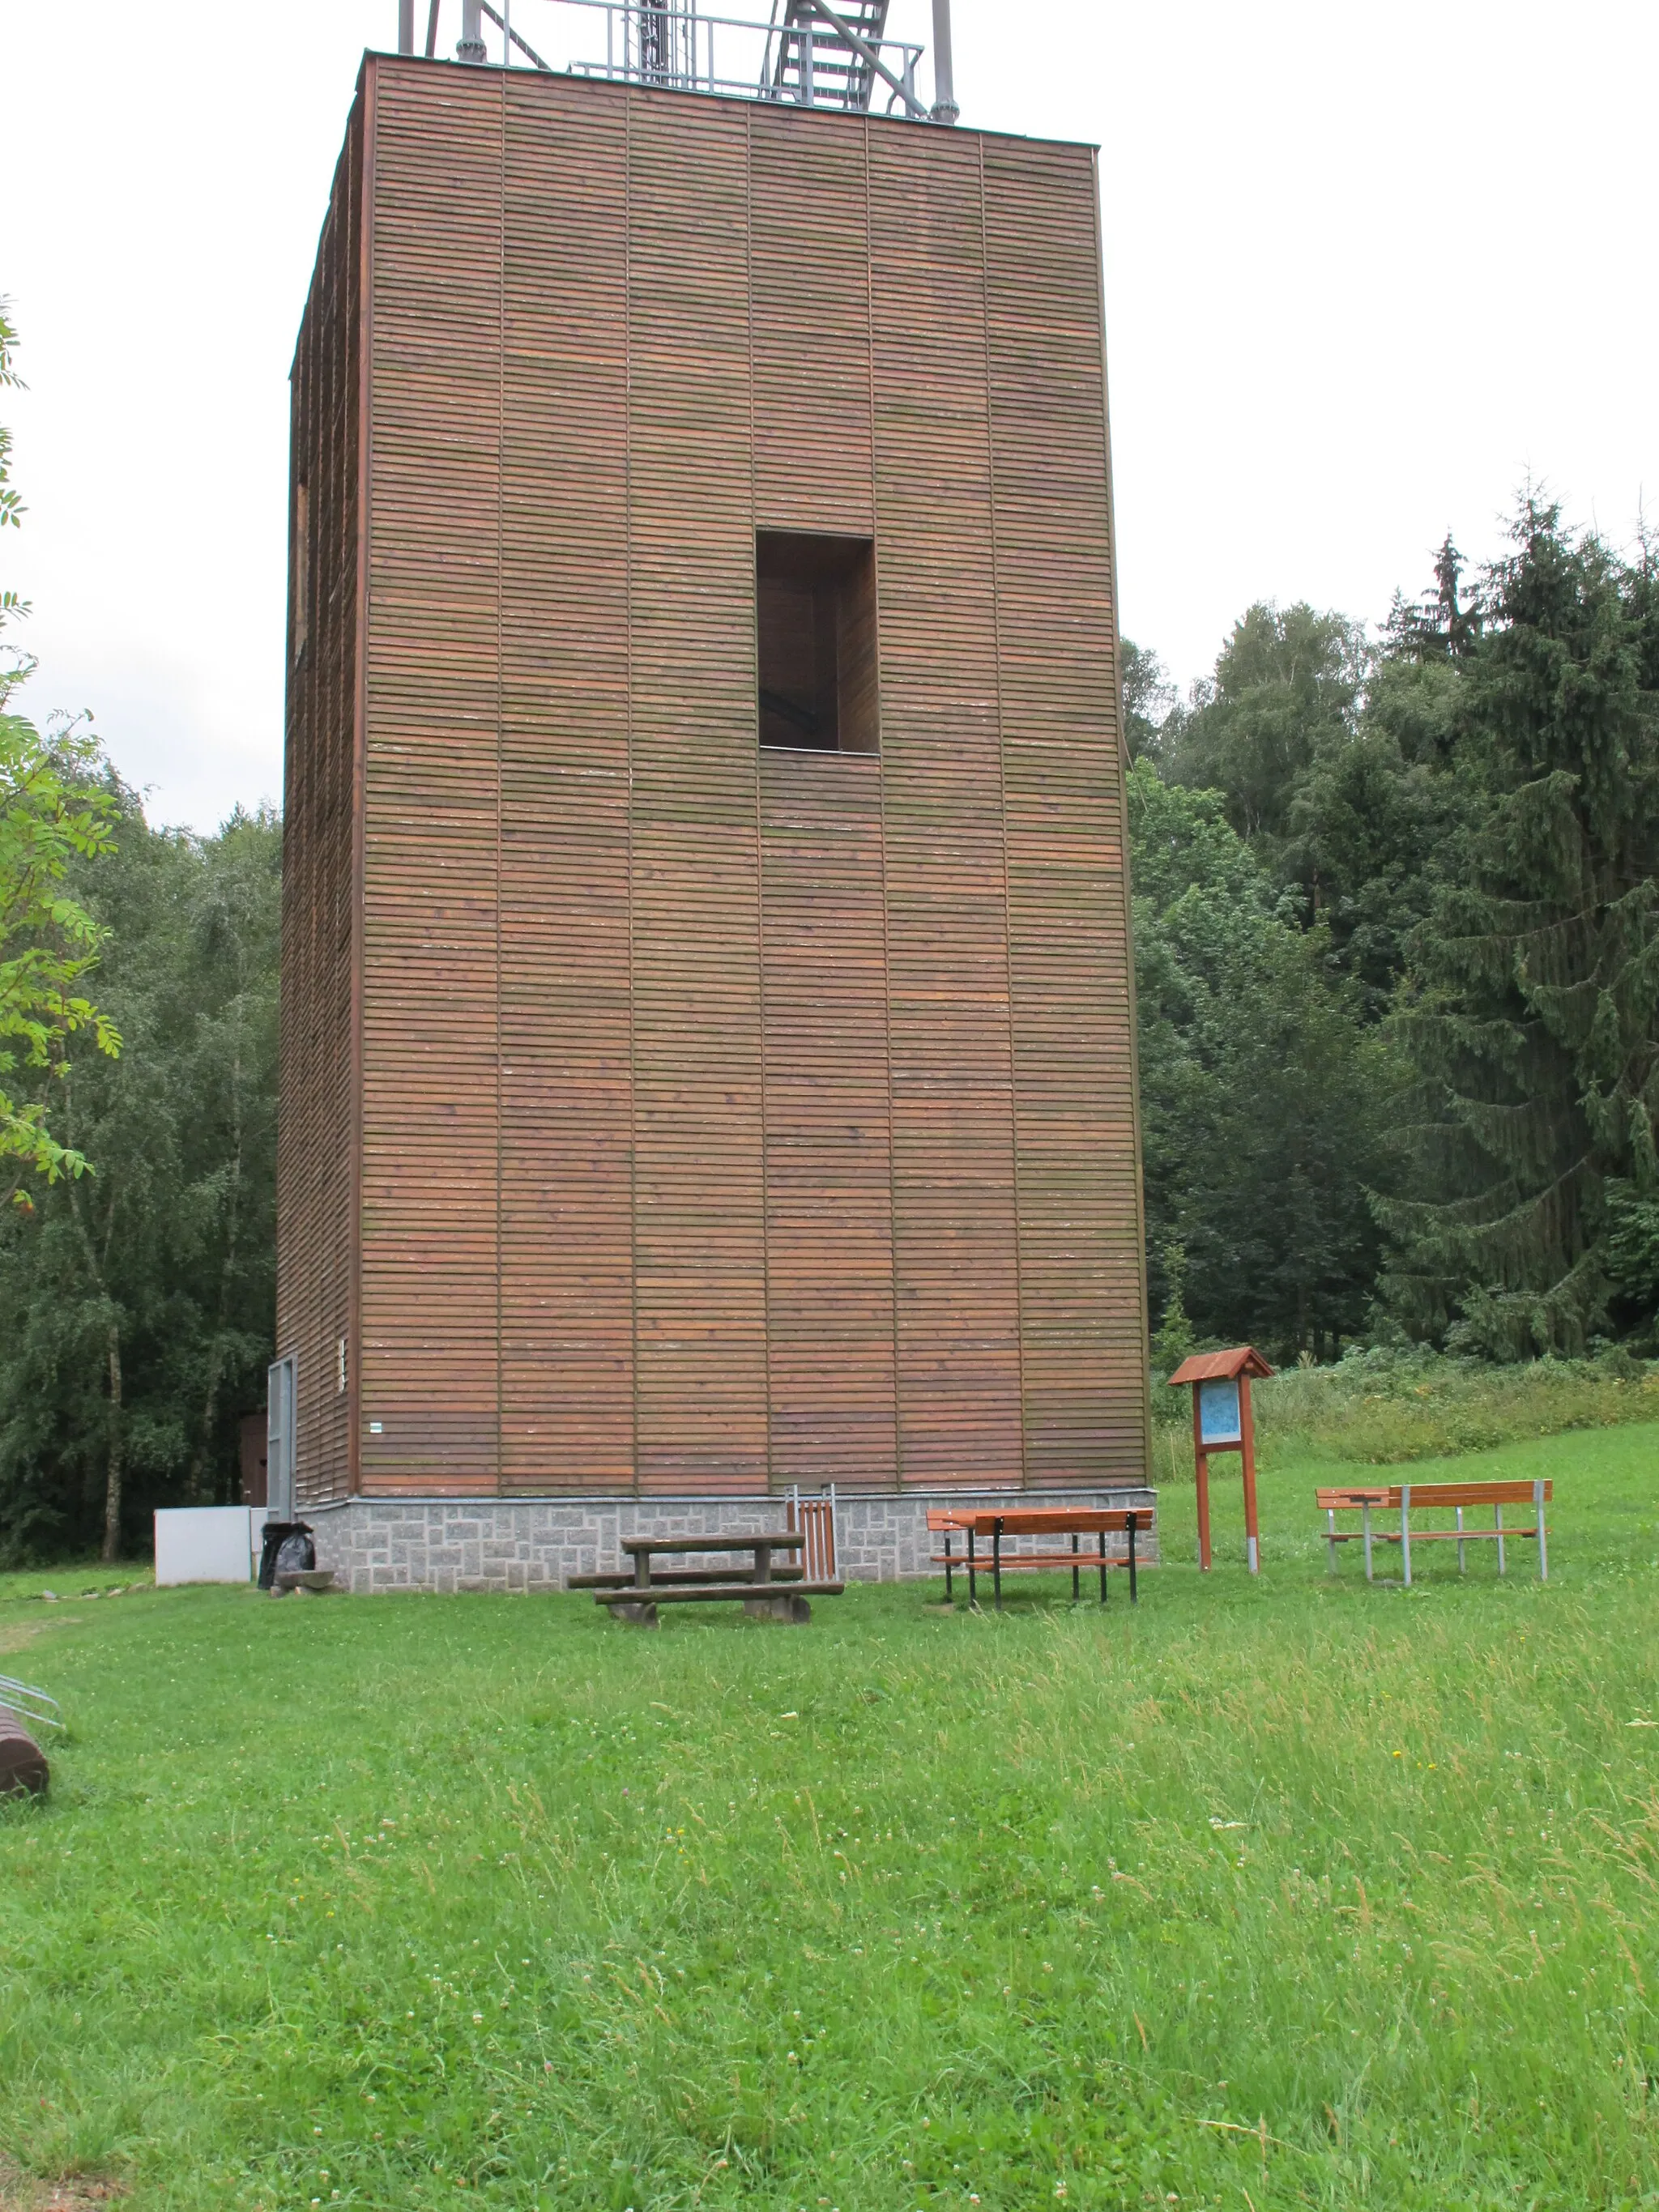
(1408, 1497)
(775, 1600)
(702, 1593)
(1048, 1562)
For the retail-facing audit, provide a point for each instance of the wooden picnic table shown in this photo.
(767, 1592)
(762, 1544)
(997, 1521)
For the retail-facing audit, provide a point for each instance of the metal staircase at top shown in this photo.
(840, 75)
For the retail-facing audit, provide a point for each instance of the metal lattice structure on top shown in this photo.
(809, 53)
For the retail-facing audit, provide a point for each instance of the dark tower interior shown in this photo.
(815, 642)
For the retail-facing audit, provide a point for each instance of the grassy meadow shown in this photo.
(1289, 1895)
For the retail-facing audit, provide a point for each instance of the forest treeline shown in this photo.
(1397, 965)
(1397, 956)
(137, 1301)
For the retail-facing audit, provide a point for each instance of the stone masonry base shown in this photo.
(536, 1544)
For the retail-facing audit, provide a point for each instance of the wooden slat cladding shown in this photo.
(810, 254)
(828, 1161)
(953, 1167)
(316, 1146)
(431, 1253)
(567, 1273)
(699, 1243)
(1082, 1324)
(729, 1118)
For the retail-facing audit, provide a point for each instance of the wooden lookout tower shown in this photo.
(708, 1063)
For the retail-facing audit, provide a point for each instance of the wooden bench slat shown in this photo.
(1385, 1535)
(1051, 1561)
(1352, 1497)
(703, 1593)
(1475, 1494)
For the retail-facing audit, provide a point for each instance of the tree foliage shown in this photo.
(1463, 823)
(11, 503)
(1286, 687)
(1533, 1007)
(137, 1305)
(1262, 1090)
(1148, 698)
(51, 813)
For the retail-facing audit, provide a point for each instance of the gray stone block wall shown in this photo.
(537, 1544)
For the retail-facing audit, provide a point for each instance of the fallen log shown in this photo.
(22, 1762)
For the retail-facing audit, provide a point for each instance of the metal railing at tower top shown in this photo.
(807, 53)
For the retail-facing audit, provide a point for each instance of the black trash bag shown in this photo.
(277, 1536)
(296, 1554)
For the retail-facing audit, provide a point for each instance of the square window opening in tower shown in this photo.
(815, 642)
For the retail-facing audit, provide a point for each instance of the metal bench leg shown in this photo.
(973, 1587)
(1460, 1540)
(1405, 1529)
(1498, 1524)
(1134, 1595)
(950, 1594)
(1076, 1548)
(1543, 1540)
(996, 1562)
(1330, 1539)
(1365, 1514)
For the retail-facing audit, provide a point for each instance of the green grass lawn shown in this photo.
(1296, 1894)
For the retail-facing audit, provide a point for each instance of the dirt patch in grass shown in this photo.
(19, 2192)
(18, 1633)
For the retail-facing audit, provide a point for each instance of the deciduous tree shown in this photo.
(52, 811)
(137, 1305)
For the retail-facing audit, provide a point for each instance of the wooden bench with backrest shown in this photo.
(1051, 1521)
(1408, 1497)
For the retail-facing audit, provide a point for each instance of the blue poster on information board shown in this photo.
(1217, 1413)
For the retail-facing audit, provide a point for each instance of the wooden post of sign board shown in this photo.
(1246, 1455)
(1237, 1367)
(1201, 1476)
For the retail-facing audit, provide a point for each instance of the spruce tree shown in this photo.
(1532, 1007)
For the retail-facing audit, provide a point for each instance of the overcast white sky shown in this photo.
(1367, 267)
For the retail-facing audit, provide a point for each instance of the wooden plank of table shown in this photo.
(669, 1576)
(776, 1539)
(1062, 1521)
